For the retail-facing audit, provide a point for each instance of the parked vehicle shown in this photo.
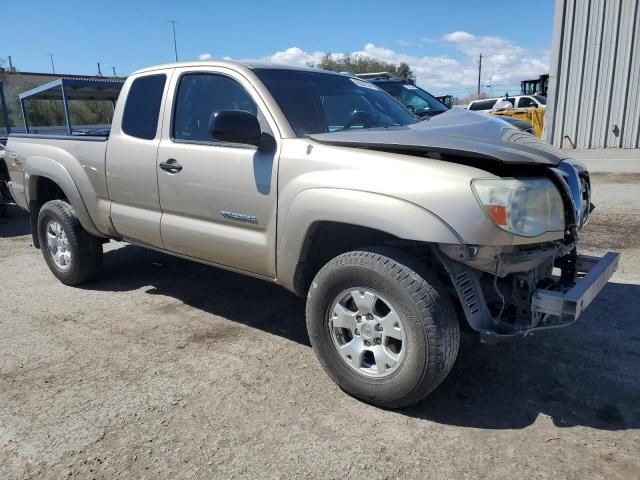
(536, 86)
(518, 101)
(446, 99)
(397, 231)
(414, 98)
(422, 103)
(5, 195)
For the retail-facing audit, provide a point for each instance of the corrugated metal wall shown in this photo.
(594, 85)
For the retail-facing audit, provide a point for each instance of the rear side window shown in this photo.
(526, 102)
(483, 104)
(142, 109)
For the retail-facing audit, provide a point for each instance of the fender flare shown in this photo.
(385, 213)
(37, 166)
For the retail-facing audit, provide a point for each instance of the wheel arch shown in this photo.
(47, 180)
(325, 222)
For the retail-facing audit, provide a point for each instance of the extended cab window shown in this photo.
(200, 95)
(142, 109)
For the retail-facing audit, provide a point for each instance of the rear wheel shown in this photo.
(73, 255)
(382, 327)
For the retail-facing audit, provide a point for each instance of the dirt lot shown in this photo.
(168, 369)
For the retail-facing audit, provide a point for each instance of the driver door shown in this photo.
(220, 204)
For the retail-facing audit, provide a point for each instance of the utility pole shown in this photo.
(114, 71)
(479, 74)
(175, 45)
(99, 71)
(53, 67)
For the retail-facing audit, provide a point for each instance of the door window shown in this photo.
(141, 112)
(199, 96)
(526, 102)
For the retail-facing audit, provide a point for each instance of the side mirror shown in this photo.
(502, 105)
(235, 126)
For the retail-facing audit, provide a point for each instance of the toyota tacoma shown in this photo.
(399, 232)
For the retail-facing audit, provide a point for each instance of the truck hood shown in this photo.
(457, 132)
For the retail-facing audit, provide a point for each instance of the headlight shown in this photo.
(526, 207)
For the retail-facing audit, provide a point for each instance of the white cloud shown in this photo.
(205, 56)
(459, 37)
(508, 61)
(295, 56)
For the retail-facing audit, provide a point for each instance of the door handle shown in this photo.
(171, 166)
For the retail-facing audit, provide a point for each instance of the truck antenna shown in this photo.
(53, 67)
(479, 73)
(175, 45)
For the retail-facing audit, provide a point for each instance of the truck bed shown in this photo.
(82, 156)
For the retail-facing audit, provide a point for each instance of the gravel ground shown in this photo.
(168, 369)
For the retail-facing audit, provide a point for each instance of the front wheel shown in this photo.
(73, 255)
(385, 333)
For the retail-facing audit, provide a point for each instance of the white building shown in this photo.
(594, 85)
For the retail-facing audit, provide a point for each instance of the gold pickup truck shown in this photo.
(398, 231)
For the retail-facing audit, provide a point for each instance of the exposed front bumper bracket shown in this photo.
(568, 306)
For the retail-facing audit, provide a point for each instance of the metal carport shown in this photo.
(72, 89)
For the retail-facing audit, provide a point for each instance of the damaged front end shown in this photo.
(514, 290)
(529, 289)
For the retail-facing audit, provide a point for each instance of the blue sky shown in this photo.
(439, 39)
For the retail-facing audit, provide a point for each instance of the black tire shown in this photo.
(4, 210)
(431, 326)
(86, 250)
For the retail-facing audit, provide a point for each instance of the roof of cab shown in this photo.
(228, 63)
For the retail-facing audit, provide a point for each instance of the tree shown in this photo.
(467, 99)
(355, 63)
(405, 72)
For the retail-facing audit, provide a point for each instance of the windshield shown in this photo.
(415, 99)
(316, 102)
